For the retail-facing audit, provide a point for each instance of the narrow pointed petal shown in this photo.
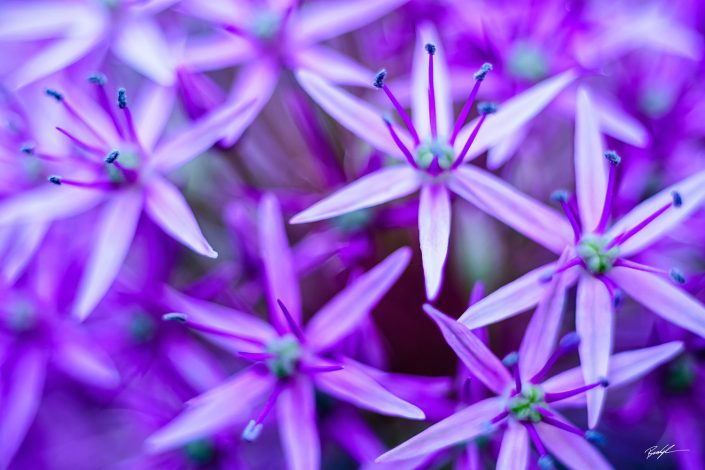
(342, 314)
(168, 208)
(296, 412)
(464, 425)
(513, 114)
(371, 190)
(574, 451)
(590, 164)
(353, 385)
(86, 363)
(692, 191)
(279, 272)
(199, 137)
(217, 51)
(46, 204)
(594, 322)
(506, 149)
(26, 240)
(514, 453)
(472, 351)
(541, 333)
(427, 34)
(620, 125)
(353, 113)
(434, 233)
(513, 298)
(663, 298)
(333, 66)
(525, 215)
(229, 403)
(322, 20)
(139, 42)
(625, 367)
(154, 107)
(18, 406)
(115, 230)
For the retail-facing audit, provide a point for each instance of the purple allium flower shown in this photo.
(289, 361)
(121, 163)
(596, 255)
(434, 149)
(526, 403)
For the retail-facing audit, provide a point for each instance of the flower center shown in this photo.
(527, 61)
(287, 352)
(266, 25)
(523, 407)
(596, 255)
(427, 151)
(200, 452)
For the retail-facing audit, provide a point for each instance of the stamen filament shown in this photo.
(102, 95)
(379, 83)
(557, 396)
(293, 326)
(620, 239)
(567, 344)
(458, 161)
(511, 361)
(75, 114)
(561, 196)
(614, 161)
(431, 49)
(499, 417)
(57, 180)
(255, 356)
(254, 427)
(564, 426)
(183, 318)
(535, 439)
(613, 289)
(479, 77)
(79, 142)
(311, 370)
(400, 144)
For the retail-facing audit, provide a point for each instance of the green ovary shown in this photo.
(426, 151)
(287, 352)
(595, 254)
(523, 406)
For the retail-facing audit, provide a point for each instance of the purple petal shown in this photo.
(279, 272)
(342, 314)
(168, 208)
(692, 191)
(19, 404)
(139, 42)
(472, 351)
(353, 385)
(514, 453)
(296, 412)
(322, 20)
(464, 425)
(504, 150)
(371, 190)
(26, 239)
(594, 323)
(529, 217)
(353, 113)
(46, 204)
(434, 233)
(153, 109)
(513, 298)
(574, 451)
(86, 363)
(223, 406)
(216, 51)
(620, 125)
(427, 34)
(590, 164)
(333, 66)
(114, 232)
(663, 298)
(513, 114)
(200, 136)
(542, 331)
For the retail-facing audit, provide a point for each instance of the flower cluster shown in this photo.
(282, 234)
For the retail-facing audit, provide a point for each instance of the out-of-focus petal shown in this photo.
(115, 230)
(434, 233)
(504, 150)
(692, 191)
(353, 113)
(85, 362)
(25, 241)
(140, 44)
(216, 51)
(514, 453)
(353, 385)
(525, 215)
(574, 451)
(427, 34)
(594, 323)
(376, 188)
(663, 298)
(472, 351)
(231, 402)
(46, 204)
(620, 125)
(279, 272)
(346, 310)
(333, 66)
(296, 412)
(168, 208)
(590, 164)
(541, 333)
(513, 114)
(19, 403)
(462, 426)
(323, 20)
(152, 112)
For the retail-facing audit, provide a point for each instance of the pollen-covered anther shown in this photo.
(27, 148)
(677, 276)
(487, 107)
(252, 431)
(122, 98)
(677, 199)
(595, 437)
(560, 195)
(613, 158)
(112, 157)
(379, 78)
(97, 79)
(430, 48)
(54, 180)
(174, 316)
(481, 74)
(54, 94)
(546, 462)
